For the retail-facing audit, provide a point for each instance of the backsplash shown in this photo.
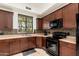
(50, 31)
(15, 31)
(71, 31)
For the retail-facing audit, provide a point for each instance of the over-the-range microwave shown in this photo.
(57, 23)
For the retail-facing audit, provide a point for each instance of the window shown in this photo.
(25, 23)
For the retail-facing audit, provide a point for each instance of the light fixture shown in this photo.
(28, 8)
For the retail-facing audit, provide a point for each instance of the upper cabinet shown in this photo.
(58, 14)
(55, 15)
(6, 19)
(9, 20)
(2, 20)
(69, 15)
(39, 23)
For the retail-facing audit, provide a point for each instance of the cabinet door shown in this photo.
(32, 42)
(69, 15)
(39, 42)
(9, 20)
(45, 24)
(67, 49)
(47, 19)
(6, 20)
(14, 46)
(4, 47)
(24, 44)
(39, 23)
(2, 20)
(44, 42)
(59, 14)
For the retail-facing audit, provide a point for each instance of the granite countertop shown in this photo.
(3, 37)
(69, 39)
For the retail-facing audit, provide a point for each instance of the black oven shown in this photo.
(52, 46)
(52, 43)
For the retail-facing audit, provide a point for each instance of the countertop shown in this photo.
(69, 39)
(3, 37)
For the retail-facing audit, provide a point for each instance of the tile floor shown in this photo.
(34, 52)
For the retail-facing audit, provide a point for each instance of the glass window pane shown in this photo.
(25, 24)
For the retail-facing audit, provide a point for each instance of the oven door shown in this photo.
(52, 47)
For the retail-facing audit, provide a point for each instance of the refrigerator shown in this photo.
(77, 34)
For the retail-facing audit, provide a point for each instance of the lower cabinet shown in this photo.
(67, 49)
(39, 42)
(14, 46)
(44, 42)
(24, 44)
(31, 42)
(4, 47)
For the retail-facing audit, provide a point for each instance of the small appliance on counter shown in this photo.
(52, 43)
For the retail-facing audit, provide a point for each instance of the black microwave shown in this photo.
(57, 23)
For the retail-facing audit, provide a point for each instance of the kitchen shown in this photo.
(55, 32)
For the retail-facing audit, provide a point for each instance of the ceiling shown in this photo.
(37, 8)
(41, 9)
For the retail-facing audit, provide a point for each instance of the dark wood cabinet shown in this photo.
(6, 20)
(67, 49)
(4, 47)
(31, 42)
(2, 20)
(14, 46)
(44, 42)
(39, 42)
(51, 16)
(69, 15)
(24, 44)
(58, 14)
(55, 15)
(39, 23)
(28, 43)
(45, 24)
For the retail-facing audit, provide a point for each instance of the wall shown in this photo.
(15, 15)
